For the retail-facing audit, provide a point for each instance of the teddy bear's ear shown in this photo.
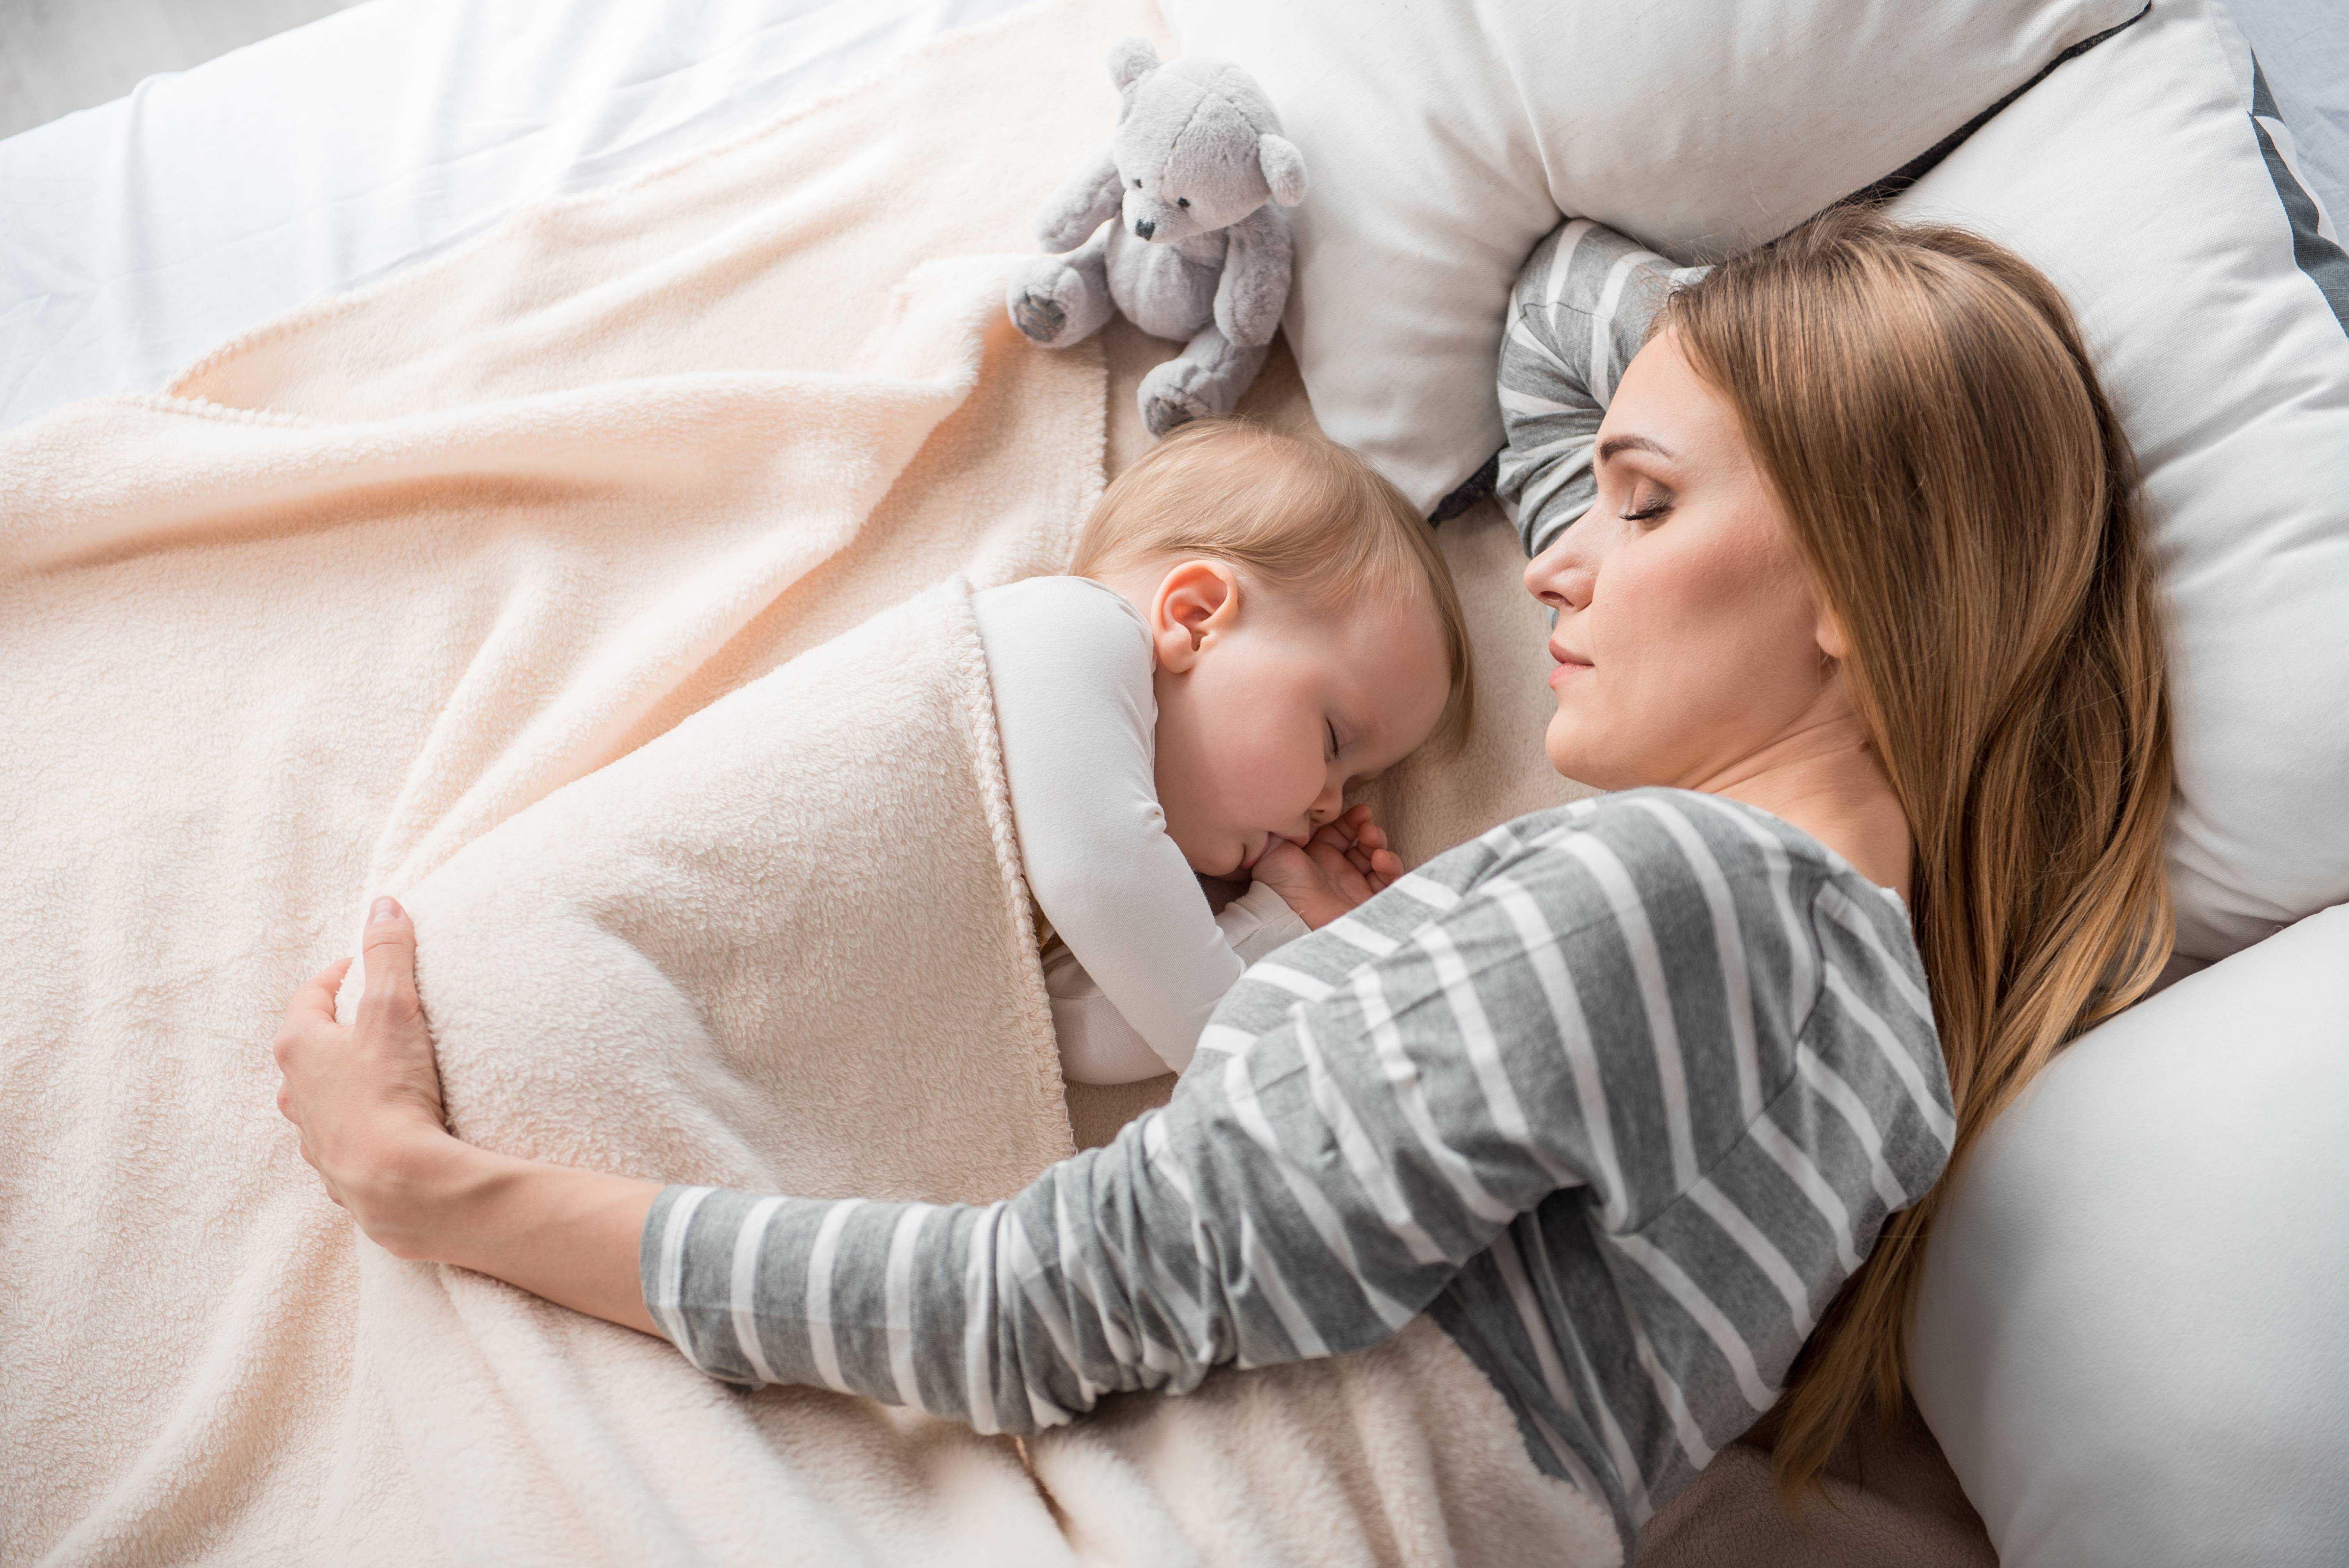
(1284, 169)
(1130, 59)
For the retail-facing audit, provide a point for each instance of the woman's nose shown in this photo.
(1560, 578)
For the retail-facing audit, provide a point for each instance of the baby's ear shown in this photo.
(1284, 168)
(1195, 601)
(1130, 59)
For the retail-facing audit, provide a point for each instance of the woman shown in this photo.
(1623, 1094)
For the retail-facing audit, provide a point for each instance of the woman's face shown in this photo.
(1691, 648)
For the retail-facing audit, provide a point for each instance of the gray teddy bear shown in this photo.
(1174, 223)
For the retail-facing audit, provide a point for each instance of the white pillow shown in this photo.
(2136, 178)
(2130, 1337)
(1444, 141)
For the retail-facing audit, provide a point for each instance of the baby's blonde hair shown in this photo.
(1301, 512)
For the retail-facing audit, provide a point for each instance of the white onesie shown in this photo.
(1147, 961)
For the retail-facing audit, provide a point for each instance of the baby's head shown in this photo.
(1307, 632)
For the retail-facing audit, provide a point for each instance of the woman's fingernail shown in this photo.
(386, 908)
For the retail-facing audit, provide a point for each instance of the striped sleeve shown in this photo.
(1579, 312)
(1621, 1091)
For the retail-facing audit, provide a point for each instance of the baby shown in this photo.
(1254, 623)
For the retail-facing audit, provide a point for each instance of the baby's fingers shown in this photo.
(1344, 878)
(1347, 845)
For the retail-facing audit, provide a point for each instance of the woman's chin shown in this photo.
(1566, 744)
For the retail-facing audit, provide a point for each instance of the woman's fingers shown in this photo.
(390, 948)
(316, 1000)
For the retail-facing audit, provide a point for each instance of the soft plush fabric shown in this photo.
(1177, 225)
(2130, 1335)
(515, 586)
(786, 946)
(1443, 143)
(1887, 1500)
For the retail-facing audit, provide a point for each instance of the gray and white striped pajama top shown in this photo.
(1619, 1094)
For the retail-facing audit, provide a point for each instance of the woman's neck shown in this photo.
(1826, 781)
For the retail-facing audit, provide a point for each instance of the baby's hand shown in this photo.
(1340, 866)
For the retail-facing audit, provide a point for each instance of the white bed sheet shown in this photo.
(137, 236)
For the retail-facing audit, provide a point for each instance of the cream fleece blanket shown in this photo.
(519, 585)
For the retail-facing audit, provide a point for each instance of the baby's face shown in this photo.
(1270, 708)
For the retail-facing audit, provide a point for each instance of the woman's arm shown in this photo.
(1291, 1201)
(1579, 312)
(366, 1102)
(1304, 1194)
(1631, 998)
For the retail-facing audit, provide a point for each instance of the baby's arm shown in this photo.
(1097, 1045)
(1071, 670)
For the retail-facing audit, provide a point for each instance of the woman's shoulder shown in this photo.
(1695, 871)
(1674, 833)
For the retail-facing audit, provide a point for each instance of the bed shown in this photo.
(137, 236)
(140, 238)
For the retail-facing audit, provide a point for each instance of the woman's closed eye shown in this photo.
(1647, 506)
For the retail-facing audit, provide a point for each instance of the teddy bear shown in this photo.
(1177, 223)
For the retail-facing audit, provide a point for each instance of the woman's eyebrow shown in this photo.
(1614, 444)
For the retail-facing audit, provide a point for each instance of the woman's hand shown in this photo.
(1343, 864)
(367, 1098)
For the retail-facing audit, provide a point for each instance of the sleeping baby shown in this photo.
(1253, 624)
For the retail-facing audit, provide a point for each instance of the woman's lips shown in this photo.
(1568, 664)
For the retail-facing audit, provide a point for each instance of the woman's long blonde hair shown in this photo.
(1921, 401)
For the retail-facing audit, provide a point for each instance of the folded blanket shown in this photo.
(528, 585)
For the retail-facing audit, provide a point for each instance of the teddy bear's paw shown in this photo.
(1170, 409)
(1180, 391)
(1039, 315)
(1056, 304)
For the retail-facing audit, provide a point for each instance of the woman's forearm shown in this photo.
(566, 1235)
(365, 1099)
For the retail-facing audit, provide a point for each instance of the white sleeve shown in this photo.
(1070, 667)
(1097, 1045)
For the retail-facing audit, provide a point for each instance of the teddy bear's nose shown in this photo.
(1143, 228)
